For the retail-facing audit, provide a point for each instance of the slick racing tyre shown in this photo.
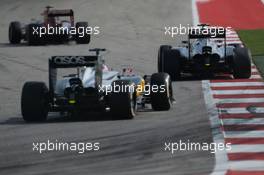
(15, 33)
(172, 64)
(161, 99)
(82, 38)
(241, 63)
(122, 102)
(34, 101)
(161, 57)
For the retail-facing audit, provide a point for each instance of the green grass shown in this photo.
(254, 40)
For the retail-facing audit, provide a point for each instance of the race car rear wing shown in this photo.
(72, 61)
(56, 62)
(54, 13)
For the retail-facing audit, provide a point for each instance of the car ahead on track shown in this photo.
(205, 54)
(94, 88)
(55, 27)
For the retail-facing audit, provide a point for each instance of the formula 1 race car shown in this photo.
(56, 28)
(94, 88)
(205, 54)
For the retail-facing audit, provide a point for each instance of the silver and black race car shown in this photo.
(56, 27)
(205, 54)
(94, 88)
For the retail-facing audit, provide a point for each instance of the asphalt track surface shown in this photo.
(132, 31)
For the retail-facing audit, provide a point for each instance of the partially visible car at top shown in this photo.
(61, 21)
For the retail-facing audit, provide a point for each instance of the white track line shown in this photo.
(233, 41)
(233, 33)
(218, 136)
(254, 121)
(230, 32)
(247, 165)
(246, 148)
(232, 38)
(239, 100)
(243, 134)
(195, 16)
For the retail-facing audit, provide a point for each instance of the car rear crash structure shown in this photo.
(56, 23)
(204, 55)
(86, 90)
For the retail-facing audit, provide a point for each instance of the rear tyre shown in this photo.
(82, 38)
(241, 63)
(32, 37)
(122, 103)
(15, 33)
(161, 57)
(34, 101)
(161, 99)
(172, 64)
